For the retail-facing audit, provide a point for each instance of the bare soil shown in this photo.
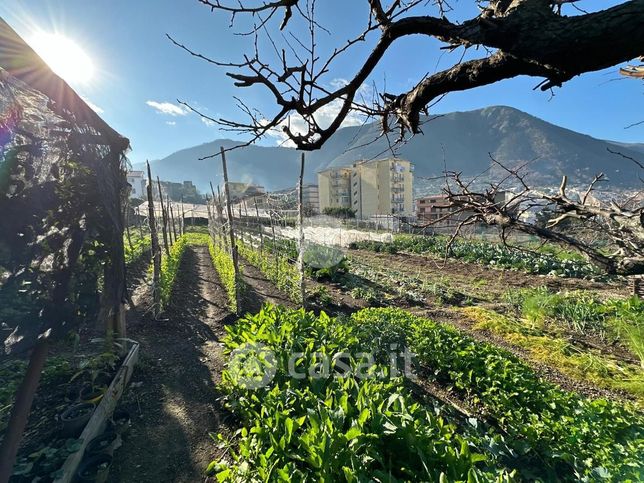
(259, 290)
(482, 281)
(172, 398)
(415, 265)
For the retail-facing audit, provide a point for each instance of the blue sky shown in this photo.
(138, 70)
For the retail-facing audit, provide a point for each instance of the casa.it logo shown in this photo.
(252, 366)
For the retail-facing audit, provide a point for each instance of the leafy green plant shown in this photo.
(225, 268)
(486, 253)
(369, 295)
(572, 438)
(275, 266)
(139, 247)
(341, 427)
(320, 295)
(170, 267)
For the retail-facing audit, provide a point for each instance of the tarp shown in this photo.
(62, 180)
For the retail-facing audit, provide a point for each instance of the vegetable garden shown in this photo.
(380, 364)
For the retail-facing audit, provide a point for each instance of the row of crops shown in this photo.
(335, 407)
(493, 254)
(323, 399)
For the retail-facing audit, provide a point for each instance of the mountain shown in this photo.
(459, 141)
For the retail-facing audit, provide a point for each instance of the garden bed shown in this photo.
(49, 443)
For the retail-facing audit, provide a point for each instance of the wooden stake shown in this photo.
(174, 228)
(20, 411)
(300, 221)
(164, 220)
(233, 246)
(127, 221)
(241, 232)
(156, 249)
(138, 220)
(260, 227)
(182, 228)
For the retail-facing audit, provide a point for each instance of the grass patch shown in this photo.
(579, 364)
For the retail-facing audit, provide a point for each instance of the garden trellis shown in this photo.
(62, 187)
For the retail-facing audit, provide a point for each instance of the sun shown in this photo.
(64, 57)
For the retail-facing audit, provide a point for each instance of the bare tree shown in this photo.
(620, 223)
(518, 37)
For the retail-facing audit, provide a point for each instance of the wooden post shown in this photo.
(127, 220)
(209, 213)
(156, 249)
(246, 224)
(260, 228)
(233, 246)
(241, 232)
(174, 228)
(21, 409)
(164, 220)
(182, 228)
(275, 250)
(300, 221)
(138, 220)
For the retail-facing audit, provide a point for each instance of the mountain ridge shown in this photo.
(459, 141)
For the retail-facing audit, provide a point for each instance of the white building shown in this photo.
(138, 183)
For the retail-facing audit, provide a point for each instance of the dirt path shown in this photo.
(260, 290)
(172, 397)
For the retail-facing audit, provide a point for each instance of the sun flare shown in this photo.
(64, 56)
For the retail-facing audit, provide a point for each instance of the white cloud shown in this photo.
(171, 123)
(326, 114)
(92, 106)
(207, 122)
(324, 117)
(167, 108)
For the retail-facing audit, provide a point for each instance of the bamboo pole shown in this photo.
(300, 221)
(164, 220)
(156, 249)
(233, 246)
(21, 409)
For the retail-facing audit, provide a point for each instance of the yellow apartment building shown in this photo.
(334, 187)
(377, 187)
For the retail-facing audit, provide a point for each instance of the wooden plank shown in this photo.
(103, 411)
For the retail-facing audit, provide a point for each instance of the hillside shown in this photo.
(459, 141)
